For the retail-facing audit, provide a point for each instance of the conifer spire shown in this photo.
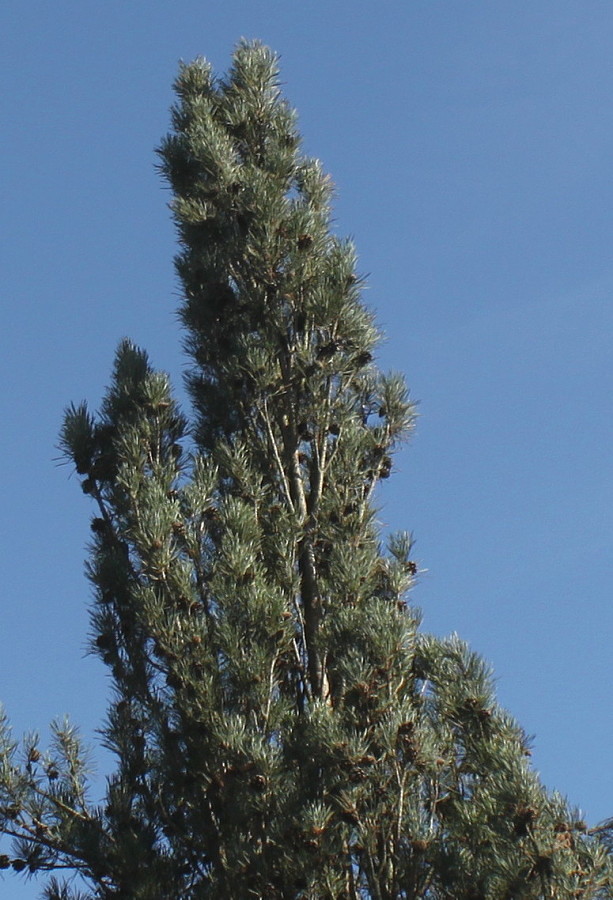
(282, 729)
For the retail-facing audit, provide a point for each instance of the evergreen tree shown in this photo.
(281, 727)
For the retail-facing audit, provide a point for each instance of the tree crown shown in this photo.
(281, 727)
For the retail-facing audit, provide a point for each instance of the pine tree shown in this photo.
(281, 728)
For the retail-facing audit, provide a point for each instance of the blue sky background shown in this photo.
(471, 145)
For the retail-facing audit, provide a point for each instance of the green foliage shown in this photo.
(281, 728)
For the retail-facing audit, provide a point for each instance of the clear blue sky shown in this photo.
(471, 144)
